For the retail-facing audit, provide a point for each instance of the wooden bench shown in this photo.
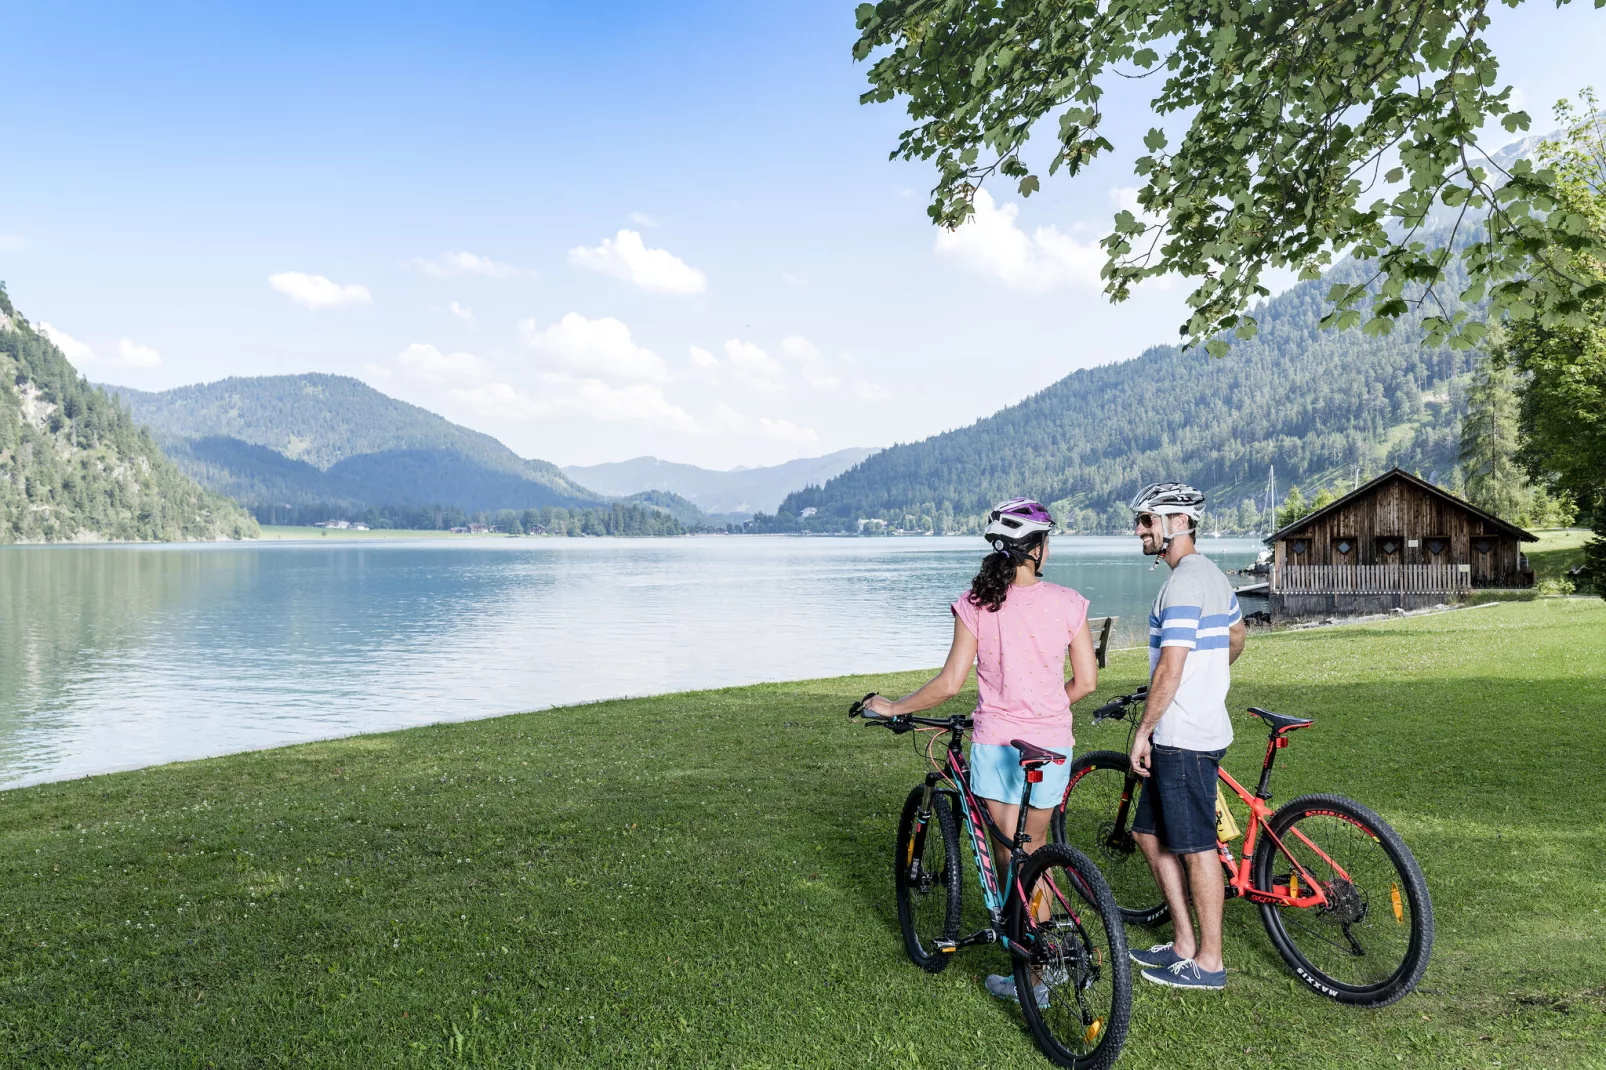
(1101, 644)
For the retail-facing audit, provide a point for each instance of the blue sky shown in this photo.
(593, 230)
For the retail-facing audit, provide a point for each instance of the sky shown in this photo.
(594, 230)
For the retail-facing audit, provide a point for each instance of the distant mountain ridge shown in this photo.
(313, 439)
(1314, 403)
(75, 467)
(738, 491)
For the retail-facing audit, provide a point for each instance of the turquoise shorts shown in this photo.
(995, 773)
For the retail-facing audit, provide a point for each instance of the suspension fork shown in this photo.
(917, 836)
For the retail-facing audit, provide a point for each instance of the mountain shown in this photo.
(75, 466)
(1314, 403)
(741, 490)
(331, 441)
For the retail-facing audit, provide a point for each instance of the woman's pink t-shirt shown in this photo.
(1020, 663)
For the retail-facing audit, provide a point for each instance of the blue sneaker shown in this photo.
(1185, 973)
(1004, 988)
(1158, 957)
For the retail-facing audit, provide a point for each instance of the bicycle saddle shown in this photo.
(1280, 722)
(1031, 757)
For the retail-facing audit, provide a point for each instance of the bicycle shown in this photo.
(1053, 912)
(1351, 917)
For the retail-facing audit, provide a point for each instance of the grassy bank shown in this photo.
(703, 880)
(1557, 550)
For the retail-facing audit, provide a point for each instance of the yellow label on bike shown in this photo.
(1226, 827)
(909, 861)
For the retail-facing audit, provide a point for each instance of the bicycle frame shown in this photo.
(982, 829)
(1239, 882)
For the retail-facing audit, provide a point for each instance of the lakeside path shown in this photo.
(703, 880)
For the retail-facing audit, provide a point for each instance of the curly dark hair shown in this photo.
(991, 585)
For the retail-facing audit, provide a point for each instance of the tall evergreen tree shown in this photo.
(1489, 443)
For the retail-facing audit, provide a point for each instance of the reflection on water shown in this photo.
(122, 656)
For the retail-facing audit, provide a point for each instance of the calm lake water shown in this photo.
(113, 657)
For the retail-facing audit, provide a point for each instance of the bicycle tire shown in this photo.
(1408, 894)
(1123, 864)
(928, 898)
(1081, 958)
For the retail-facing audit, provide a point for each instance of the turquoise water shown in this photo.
(114, 657)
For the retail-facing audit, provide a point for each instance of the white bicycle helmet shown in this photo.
(1167, 500)
(1017, 519)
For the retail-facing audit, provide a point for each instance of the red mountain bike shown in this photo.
(1340, 894)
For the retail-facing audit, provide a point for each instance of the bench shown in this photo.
(1101, 631)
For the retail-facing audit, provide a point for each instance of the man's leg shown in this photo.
(1209, 898)
(1168, 874)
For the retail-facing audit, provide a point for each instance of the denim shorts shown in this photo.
(995, 773)
(1178, 801)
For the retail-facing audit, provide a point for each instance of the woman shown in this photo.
(1016, 627)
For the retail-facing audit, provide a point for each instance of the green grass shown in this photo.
(703, 880)
(1557, 550)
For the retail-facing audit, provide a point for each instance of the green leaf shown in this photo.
(1028, 185)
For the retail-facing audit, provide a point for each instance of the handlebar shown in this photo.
(1117, 708)
(906, 722)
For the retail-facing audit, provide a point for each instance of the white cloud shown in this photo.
(426, 364)
(636, 403)
(601, 347)
(130, 354)
(462, 312)
(642, 219)
(134, 355)
(77, 353)
(315, 291)
(452, 265)
(625, 256)
(811, 363)
(498, 401)
(786, 431)
(753, 367)
(702, 358)
(729, 419)
(990, 243)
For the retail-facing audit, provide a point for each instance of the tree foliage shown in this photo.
(1563, 409)
(73, 465)
(1309, 128)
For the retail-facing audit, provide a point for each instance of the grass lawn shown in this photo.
(704, 880)
(1557, 550)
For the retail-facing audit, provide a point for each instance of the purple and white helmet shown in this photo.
(1016, 519)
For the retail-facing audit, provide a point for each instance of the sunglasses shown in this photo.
(1145, 520)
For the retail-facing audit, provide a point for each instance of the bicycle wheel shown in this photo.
(925, 873)
(1076, 991)
(1370, 944)
(1086, 820)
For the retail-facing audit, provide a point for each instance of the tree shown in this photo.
(1489, 443)
(1293, 508)
(1563, 409)
(1309, 128)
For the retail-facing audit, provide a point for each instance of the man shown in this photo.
(1196, 631)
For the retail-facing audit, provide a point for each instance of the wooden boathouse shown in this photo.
(1397, 542)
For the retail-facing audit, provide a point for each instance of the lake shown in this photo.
(115, 657)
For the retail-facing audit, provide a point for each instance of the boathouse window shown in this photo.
(1298, 546)
(1344, 545)
(1389, 545)
(1483, 545)
(1437, 544)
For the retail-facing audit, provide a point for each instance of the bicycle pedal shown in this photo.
(947, 947)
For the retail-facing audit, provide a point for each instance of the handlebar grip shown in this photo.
(857, 709)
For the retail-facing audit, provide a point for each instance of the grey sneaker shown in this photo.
(1158, 957)
(1004, 988)
(1185, 973)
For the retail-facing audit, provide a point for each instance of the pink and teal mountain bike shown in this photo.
(1051, 910)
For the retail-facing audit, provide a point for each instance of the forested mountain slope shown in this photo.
(75, 466)
(740, 490)
(330, 440)
(1313, 403)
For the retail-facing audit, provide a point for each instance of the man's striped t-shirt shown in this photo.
(1195, 609)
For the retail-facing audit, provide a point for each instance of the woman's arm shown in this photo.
(1084, 667)
(940, 688)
